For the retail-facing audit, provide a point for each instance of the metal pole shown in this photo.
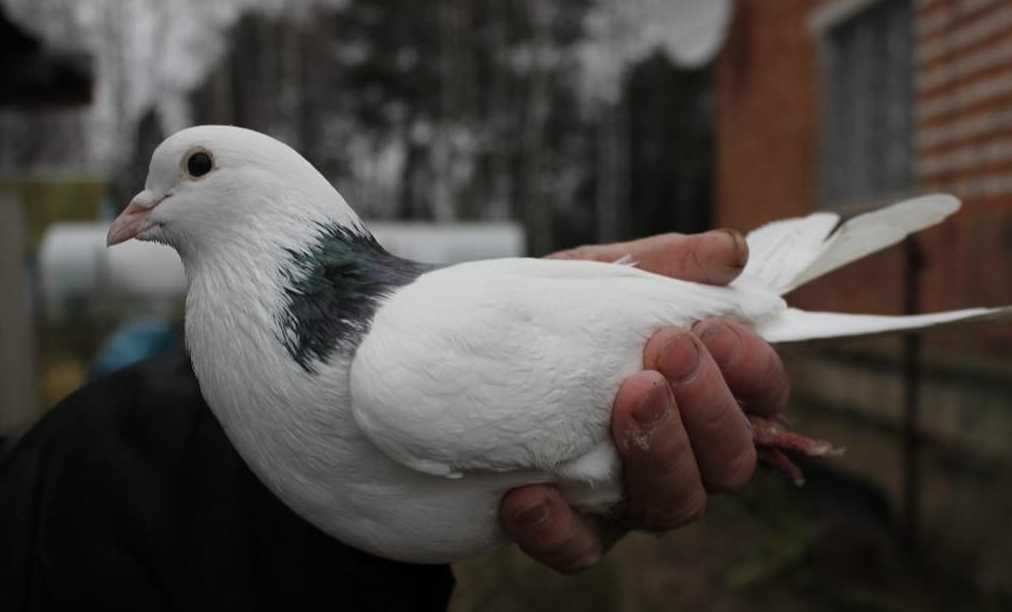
(911, 385)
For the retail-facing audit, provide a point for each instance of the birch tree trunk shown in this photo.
(537, 209)
(613, 173)
(18, 403)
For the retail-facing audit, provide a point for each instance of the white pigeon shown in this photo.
(392, 404)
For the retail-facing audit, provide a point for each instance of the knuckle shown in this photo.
(551, 547)
(770, 386)
(695, 510)
(658, 343)
(747, 334)
(692, 509)
(738, 473)
(680, 357)
(776, 396)
(669, 454)
(664, 245)
(580, 252)
(526, 511)
(782, 399)
(776, 374)
(772, 364)
(723, 339)
(580, 560)
(697, 266)
(720, 417)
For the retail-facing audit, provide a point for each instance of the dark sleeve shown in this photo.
(129, 496)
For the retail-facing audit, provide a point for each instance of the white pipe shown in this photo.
(77, 269)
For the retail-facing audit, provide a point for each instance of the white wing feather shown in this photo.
(784, 255)
(781, 251)
(513, 364)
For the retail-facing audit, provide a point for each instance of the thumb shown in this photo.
(716, 257)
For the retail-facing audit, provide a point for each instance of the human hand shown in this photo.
(678, 424)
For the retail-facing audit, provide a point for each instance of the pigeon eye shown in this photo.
(198, 164)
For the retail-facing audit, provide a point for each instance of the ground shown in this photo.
(834, 544)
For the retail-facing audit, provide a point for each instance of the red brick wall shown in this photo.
(767, 83)
(767, 136)
(766, 122)
(963, 142)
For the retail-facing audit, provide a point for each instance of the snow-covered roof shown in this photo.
(622, 32)
(151, 53)
(148, 54)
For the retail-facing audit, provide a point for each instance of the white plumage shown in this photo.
(438, 390)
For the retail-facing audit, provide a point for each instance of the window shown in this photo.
(868, 148)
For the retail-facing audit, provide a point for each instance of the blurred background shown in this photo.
(464, 130)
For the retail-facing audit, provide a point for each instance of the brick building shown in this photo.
(848, 104)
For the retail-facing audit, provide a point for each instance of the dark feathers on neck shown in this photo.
(333, 287)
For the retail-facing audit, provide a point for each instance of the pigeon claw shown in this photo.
(773, 441)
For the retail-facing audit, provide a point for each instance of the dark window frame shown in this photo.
(868, 106)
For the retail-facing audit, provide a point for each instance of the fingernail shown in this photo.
(739, 244)
(532, 515)
(679, 358)
(653, 408)
(720, 339)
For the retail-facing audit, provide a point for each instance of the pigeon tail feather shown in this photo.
(787, 254)
(784, 255)
(795, 325)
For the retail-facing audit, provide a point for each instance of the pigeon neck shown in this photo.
(271, 337)
(262, 398)
(332, 286)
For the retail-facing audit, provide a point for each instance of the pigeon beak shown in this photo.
(134, 218)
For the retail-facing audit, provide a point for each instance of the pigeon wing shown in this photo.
(513, 364)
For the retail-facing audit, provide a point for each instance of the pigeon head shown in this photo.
(214, 185)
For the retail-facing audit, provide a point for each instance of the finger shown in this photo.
(716, 257)
(663, 486)
(540, 521)
(716, 426)
(752, 369)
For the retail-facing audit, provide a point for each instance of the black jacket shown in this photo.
(129, 496)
